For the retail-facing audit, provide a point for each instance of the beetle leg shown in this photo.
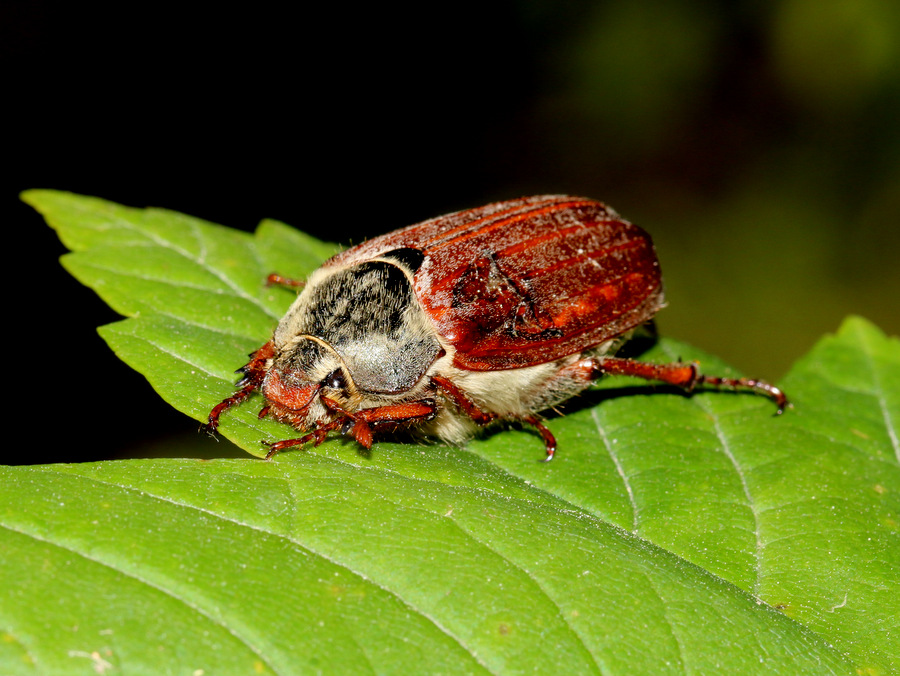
(318, 435)
(253, 373)
(277, 280)
(397, 413)
(362, 433)
(334, 406)
(393, 414)
(212, 422)
(546, 435)
(461, 401)
(349, 424)
(358, 425)
(470, 408)
(776, 394)
(685, 376)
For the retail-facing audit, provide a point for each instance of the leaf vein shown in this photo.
(299, 545)
(169, 245)
(635, 511)
(726, 449)
(882, 402)
(171, 594)
(544, 591)
(840, 442)
(751, 505)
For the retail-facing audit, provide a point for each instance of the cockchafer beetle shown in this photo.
(494, 313)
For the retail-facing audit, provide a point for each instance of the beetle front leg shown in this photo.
(394, 414)
(253, 373)
(212, 422)
(685, 376)
(318, 435)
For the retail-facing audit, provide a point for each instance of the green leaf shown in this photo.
(672, 534)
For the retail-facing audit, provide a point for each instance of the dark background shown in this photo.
(757, 141)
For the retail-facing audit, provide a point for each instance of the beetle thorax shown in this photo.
(359, 328)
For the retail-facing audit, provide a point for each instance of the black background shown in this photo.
(351, 121)
(343, 128)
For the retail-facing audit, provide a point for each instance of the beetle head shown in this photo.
(305, 369)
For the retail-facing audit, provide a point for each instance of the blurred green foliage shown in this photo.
(758, 142)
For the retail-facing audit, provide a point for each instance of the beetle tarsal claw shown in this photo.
(546, 435)
(498, 312)
(784, 404)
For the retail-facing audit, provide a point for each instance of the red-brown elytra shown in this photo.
(495, 313)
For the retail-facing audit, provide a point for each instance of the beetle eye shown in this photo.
(335, 380)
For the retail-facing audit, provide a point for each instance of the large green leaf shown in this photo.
(672, 534)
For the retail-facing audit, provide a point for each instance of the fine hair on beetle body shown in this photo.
(495, 313)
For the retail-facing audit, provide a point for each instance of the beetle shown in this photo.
(494, 313)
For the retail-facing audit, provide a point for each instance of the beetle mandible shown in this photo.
(494, 313)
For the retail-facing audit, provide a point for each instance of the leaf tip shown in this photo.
(32, 196)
